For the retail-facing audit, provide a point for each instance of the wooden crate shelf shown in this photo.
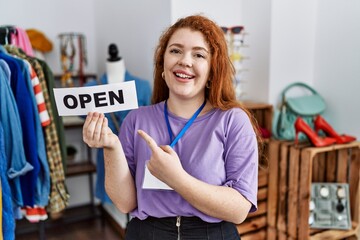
(263, 113)
(254, 227)
(293, 169)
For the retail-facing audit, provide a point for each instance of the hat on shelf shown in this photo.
(39, 41)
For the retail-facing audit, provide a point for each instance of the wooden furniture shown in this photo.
(78, 80)
(262, 112)
(85, 166)
(292, 170)
(254, 227)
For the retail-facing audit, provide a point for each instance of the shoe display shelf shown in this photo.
(293, 169)
(254, 227)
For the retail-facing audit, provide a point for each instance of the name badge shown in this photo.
(151, 182)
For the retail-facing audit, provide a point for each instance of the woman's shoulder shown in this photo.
(235, 112)
(235, 117)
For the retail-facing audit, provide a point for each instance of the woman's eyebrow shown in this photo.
(194, 48)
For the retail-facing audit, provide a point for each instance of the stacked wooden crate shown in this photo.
(292, 170)
(254, 227)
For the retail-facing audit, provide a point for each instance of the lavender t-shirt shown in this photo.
(219, 148)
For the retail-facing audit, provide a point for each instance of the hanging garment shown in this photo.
(59, 196)
(11, 120)
(50, 83)
(39, 97)
(20, 81)
(1, 207)
(21, 39)
(8, 220)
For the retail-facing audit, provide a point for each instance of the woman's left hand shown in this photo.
(164, 162)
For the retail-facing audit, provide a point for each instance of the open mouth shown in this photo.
(183, 75)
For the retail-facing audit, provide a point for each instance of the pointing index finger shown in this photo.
(149, 140)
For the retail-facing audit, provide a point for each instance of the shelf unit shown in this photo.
(293, 169)
(255, 225)
(85, 166)
(78, 80)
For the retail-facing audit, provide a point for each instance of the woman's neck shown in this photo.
(186, 108)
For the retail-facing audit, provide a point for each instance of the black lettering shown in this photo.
(97, 99)
(119, 98)
(84, 98)
(74, 101)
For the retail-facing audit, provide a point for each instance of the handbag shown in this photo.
(306, 107)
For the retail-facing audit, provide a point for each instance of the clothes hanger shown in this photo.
(5, 34)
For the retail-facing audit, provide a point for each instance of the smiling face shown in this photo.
(187, 64)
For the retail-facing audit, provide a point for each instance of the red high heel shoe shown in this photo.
(301, 126)
(321, 124)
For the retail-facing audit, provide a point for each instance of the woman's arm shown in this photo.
(217, 201)
(119, 183)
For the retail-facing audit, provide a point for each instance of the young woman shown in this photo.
(185, 167)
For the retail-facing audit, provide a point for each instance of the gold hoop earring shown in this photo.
(208, 84)
(163, 75)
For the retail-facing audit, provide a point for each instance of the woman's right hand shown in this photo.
(96, 132)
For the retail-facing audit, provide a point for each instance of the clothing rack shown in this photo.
(50, 165)
(5, 34)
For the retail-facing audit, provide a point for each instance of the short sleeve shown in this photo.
(126, 137)
(241, 157)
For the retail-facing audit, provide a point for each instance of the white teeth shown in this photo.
(182, 75)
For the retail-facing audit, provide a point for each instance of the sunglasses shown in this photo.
(234, 30)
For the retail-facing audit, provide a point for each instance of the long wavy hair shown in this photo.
(221, 92)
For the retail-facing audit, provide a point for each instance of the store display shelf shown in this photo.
(80, 168)
(335, 234)
(293, 170)
(73, 121)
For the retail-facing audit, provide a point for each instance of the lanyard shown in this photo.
(186, 127)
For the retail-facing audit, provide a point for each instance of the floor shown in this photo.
(90, 227)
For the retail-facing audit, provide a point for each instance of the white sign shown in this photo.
(101, 98)
(152, 182)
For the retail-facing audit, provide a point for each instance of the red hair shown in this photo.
(221, 93)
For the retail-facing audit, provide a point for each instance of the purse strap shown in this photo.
(297, 84)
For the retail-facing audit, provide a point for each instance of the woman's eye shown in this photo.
(198, 55)
(174, 51)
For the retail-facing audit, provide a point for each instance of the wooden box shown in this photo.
(262, 112)
(254, 227)
(292, 170)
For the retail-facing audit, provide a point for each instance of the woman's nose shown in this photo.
(185, 60)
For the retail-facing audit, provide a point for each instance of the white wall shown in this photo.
(52, 18)
(224, 13)
(292, 43)
(337, 63)
(134, 26)
(318, 42)
(257, 22)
